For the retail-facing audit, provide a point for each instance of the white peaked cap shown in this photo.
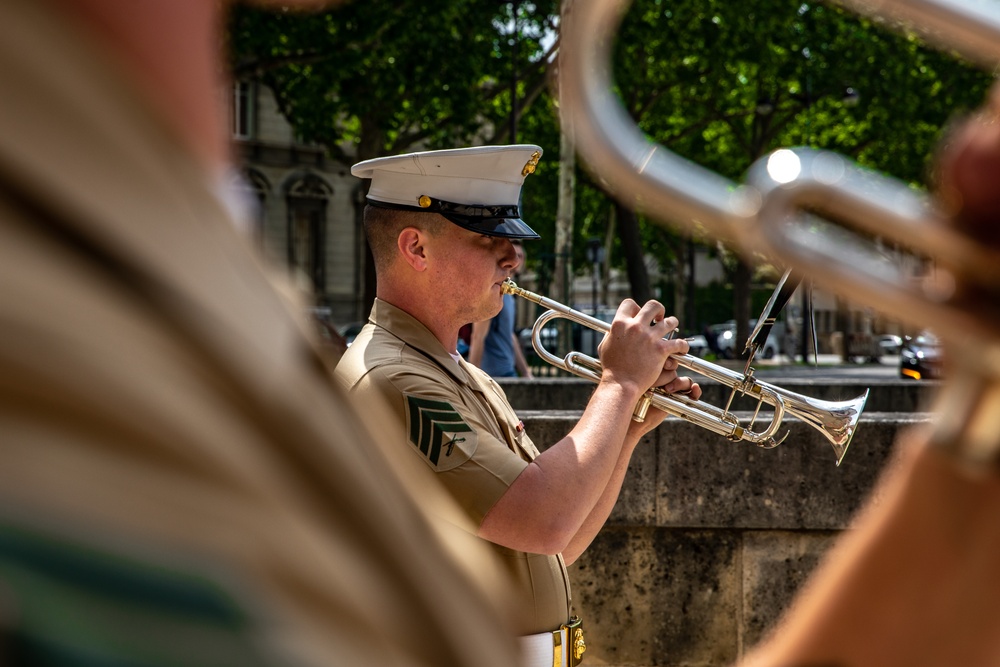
(477, 188)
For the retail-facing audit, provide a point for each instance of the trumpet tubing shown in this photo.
(836, 421)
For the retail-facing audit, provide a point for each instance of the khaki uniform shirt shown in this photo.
(180, 476)
(459, 423)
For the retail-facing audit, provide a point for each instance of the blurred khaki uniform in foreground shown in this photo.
(181, 481)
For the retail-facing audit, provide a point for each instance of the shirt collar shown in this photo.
(411, 331)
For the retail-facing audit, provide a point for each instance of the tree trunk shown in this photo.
(807, 330)
(563, 278)
(844, 327)
(609, 240)
(680, 284)
(741, 306)
(635, 266)
(690, 315)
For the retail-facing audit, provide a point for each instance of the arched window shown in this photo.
(247, 195)
(307, 196)
(255, 191)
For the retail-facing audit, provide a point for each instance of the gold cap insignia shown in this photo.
(529, 168)
(424, 201)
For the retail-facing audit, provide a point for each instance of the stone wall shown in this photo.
(710, 539)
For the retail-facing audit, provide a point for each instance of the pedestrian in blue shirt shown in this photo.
(495, 347)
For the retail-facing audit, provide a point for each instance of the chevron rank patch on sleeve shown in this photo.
(439, 432)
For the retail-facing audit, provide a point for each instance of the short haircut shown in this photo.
(383, 225)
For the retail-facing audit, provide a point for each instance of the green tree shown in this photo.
(385, 77)
(718, 82)
(724, 83)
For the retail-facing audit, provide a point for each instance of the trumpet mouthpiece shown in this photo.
(510, 287)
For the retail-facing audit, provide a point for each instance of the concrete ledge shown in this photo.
(573, 393)
(710, 539)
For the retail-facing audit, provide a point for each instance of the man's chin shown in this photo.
(496, 305)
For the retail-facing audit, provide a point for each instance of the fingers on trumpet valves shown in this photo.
(684, 386)
(627, 308)
(694, 391)
(677, 346)
(671, 331)
(671, 383)
(666, 380)
(654, 313)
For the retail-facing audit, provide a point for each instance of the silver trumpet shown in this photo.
(836, 420)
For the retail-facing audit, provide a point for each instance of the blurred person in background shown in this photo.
(181, 479)
(495, 346)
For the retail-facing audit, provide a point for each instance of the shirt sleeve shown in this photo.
(450, 432)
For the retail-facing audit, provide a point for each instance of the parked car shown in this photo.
(550, 341)
(726, 340)
(889, 344)
(697, 344)
(724, 334)
(920, 357)
(350, 331)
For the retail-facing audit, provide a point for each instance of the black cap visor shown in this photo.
(502, 221)
(511, 228)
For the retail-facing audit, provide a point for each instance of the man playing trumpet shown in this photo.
(440, 226)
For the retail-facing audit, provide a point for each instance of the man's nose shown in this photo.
(510, 255)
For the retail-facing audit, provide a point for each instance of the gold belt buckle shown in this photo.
(575, 644)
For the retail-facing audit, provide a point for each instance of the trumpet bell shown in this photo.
(837, 421)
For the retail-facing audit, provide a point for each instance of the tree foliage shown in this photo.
(719, 82)
(381, 78)
(725, 83)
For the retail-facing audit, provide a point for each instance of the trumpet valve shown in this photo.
(737, 432)
(642, 407)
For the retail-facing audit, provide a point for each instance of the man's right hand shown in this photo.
(635, 350)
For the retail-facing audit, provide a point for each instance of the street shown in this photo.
(829, 367)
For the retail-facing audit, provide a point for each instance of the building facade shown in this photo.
(306, 217)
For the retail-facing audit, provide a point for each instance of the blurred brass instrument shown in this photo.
(837, 421)
(812, 209)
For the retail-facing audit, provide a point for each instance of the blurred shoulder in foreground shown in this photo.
(182, 480)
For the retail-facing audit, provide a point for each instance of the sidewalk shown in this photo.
(821, 360)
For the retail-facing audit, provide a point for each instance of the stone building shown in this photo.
(306, 219)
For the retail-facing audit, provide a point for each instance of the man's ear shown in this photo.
(411, 243)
